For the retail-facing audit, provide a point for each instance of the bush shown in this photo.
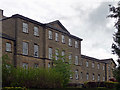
(101, 84)
(14, 88)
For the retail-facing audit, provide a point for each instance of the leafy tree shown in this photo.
(62, 66)
(115, 13)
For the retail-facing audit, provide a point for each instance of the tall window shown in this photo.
(50, 34)
(87, 76)
(36, 32)
(103, 67)
(25, 27)
(49, 65)
(76, 74)
(98, 77)
(86, 63)
(71, 75)
(70, 58)
(76, 60)
(103, 78)
(56, 36)
(25, 65)
(36, 50)
(93, 77)
(56, 54)
(98, 66)
(63, 39)
(25, 48)
(63, 54)
(70, 42)
(50, 53)
(81, 75)
(76, 44)
(8, 47)
(93, 65)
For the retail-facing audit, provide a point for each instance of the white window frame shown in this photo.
(25, 48)
(63, 39)
(35, 65)
(63, 54)
(103, 67)
(76, 60)
(98, 66)
(49, 65)
(50, 34)
(93, 64)
(56, 54)
(56, 37)
(87, 64)
(25, 27)
(93, 76)
(36, 31)
(70, 58)
(8, 47)
(70, 42)
(76, 74)
(98, 77)
(36, 50)
(87, 76)
(25, 65)
(50, 53)
(76, 44)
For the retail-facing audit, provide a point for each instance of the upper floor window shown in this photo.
(76, 44)
(76, 74)
(36, 32)
(56, 36)
(25, 48)
(8, 47)
(76, 60)
(25, 65)
(50, 53)
(25, 27)
(50, 34)
(70, 42)
(93, 65)
(63, 39)
(103, 78)
(35, 65)
(86, 63)
(103, 67)
(98, 66)
(81, 75)
(56, 54)
(70, 58)
(36, 49)
(87, 76)
(63, 55)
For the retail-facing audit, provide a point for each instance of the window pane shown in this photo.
(56, 54)
(25, 65)
(63, 39)
(8, 47)
(50, 53)
(25, 27)
(56, 36)
(25, 48)
(36, 33)
(76, 60)
(36, 50)
(50, 34)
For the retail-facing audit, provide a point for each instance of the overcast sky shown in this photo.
(83, 18)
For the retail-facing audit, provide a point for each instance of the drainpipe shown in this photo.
(105, 71)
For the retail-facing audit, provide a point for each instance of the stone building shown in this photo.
(30, 43)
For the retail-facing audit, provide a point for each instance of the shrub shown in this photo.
(14, 88)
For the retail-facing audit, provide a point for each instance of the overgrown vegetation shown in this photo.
(55, 77)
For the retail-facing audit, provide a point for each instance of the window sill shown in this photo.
(9, 51)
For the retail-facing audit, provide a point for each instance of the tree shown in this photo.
(62, 66)
(115, 13)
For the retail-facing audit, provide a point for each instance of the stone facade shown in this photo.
(50, 37)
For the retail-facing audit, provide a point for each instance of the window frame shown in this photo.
(70, 42)
(36, 50)
(50, 34)
(25, 65)
(76, 74)
(63, 38)
(76, 44)
(76, 60)
(36, 31)
(56, 37)
(25, 27)
(50, 53)
(8, 47)
(25, 48)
